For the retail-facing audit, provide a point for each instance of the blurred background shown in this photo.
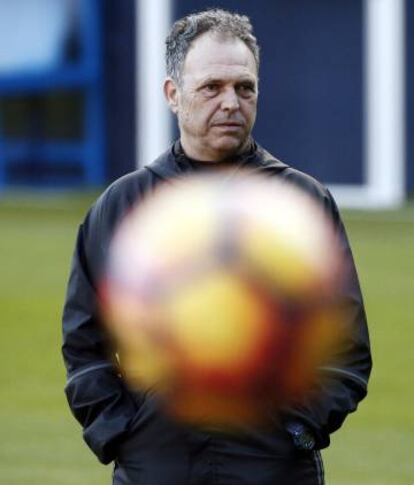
(81, 104)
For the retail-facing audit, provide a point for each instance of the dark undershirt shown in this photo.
(210, 166)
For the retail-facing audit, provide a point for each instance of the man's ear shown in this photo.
(171, 94)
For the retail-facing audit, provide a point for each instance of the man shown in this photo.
(212, 87)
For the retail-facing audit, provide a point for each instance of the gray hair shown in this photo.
(186, 29)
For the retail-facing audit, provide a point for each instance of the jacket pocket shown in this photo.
(151, 431)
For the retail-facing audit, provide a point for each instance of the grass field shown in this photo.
(40, 441)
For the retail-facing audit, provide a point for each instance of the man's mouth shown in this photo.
(228, 124)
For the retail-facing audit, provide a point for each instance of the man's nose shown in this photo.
(230, 101)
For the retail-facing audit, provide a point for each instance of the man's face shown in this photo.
(217, 99)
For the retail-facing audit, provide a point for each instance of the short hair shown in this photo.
(185, 30)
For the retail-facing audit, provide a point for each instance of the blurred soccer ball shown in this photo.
(222, 295)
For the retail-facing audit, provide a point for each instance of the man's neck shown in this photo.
(214, 156)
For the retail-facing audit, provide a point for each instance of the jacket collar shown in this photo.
(174, 163)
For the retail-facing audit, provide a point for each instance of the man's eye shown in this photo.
(246, 89)
(211, 88)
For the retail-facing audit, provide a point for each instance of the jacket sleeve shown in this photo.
(96, 394)
(343, 384)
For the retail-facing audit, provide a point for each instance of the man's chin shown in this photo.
(230, 146)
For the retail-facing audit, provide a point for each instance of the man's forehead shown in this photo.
(222, 73)
(210, 54)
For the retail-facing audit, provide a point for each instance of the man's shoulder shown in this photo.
(123, 191)
(118, 198)
(131, 187)
(315, 189)
(304, 181)
(290, 174)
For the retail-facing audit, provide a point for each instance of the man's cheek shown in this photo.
(187, 117)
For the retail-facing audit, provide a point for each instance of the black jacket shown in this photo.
(96, 393)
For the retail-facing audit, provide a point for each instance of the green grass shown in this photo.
(41, 443)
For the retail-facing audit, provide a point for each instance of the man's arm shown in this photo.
(343, 384)
(96, 394)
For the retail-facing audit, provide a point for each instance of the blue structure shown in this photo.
(312, 99)
(311, 89)
(84, 74)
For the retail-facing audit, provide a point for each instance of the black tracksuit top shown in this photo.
(112, 416)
